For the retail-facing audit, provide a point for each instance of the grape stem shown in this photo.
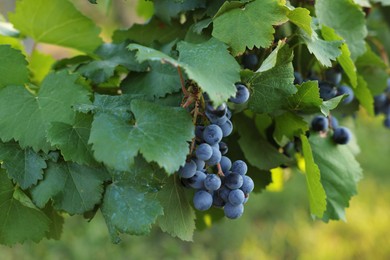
(220, 172)
(183, 86)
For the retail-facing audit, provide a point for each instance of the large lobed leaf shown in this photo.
(161, 134)
(26, 117)
(56, 22)
(272, 87)
(19, 220)
(179, 217)
(25, 167)
(202, 63)
(347, 19)
(247, 25)
(13, 67)
(340, 173)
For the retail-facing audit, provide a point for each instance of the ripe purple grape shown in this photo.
(242, 94)
(212, 134)
(202, 200)
(239, 167)
(341, 135)
(204, 152)
(212, 182)
(236, 197)
(234, 181)
(232, 211)
(320, 123)
(188, 170)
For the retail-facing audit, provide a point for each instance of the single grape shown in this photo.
(188, 170)
(214, 119)
(320, 123)
(248, 185)
(200, 164)
(217, 200)
(242, 94)
(197, 181)
(236, 197)
(204, 152)
(215, 157)
(333, 76)
(249, 61)
(226, 164)
(232, 211)
(202, 200)
(341, 135)
(227, 128)
(212, 134)
(346, 90)
(239, 167)
(212, 182)
(234, 181)
(327, 90)
(223, 148)
(219, 111)
(224, 193)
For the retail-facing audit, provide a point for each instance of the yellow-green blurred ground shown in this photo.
(275, 225)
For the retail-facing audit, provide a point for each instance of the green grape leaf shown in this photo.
(25, 117)
(56, 22)
(287, 126)
(236, 25)
(307, 99)
(271, 88)
(157, 82)
(218, 81)
(156, 127)
(374, 71)
(340, 173)
(18, 221)
(330, 104)
(154, 30)
(111, 56)
(40, 65)
(347, 19)
(74, 188)
(72, 139)
(301, 18)
(179, 217)
(257, 150)
(130, 205)
(363, 94)
(316, 192)
(128, 210)
(325, 51)
(167, 9)
(56, 224)
(344, 59)
(25, 167)
(13, 67)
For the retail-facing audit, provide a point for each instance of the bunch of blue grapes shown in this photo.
(330, 86)
(341, 134)
(218, 181)
(382, 105)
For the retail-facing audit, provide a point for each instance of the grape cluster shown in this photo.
(382, 105)
(330, 87)
(341, 134)
(229, 188)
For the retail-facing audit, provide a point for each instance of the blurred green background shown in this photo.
(276, 225)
